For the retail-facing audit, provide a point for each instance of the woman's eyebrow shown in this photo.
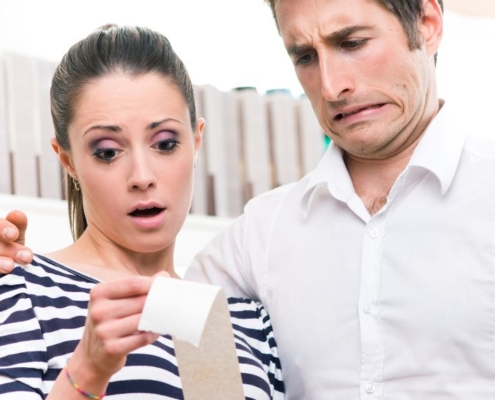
(118, 129)
(157, 123)
(111, 128)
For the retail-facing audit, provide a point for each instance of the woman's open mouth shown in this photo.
(146, 212)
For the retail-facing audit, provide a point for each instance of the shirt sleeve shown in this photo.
(22, 348)
(222, 262)
(237, 258)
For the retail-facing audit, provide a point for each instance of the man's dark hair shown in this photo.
(407, 12)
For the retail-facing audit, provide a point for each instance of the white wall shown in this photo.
(466, 71)
(226, 43)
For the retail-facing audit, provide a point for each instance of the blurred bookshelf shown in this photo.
(253, 141)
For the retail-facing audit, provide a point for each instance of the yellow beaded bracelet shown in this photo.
(76, 386)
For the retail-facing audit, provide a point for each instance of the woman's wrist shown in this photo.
(78, 388)
(85, 377)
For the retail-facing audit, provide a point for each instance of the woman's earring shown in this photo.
(76, 184)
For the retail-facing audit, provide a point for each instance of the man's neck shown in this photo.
(373, 178)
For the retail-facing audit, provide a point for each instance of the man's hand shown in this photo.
(12, 239)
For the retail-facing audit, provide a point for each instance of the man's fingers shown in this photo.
(19, 219)
(12, 238)
(11, 253)
(6, 265)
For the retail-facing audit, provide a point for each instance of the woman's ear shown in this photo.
(198, 136)
(431, 26)
(64, 157)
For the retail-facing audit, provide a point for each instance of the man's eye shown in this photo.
(305, 59)
(353, 44)
(105, 154)
(166, 146)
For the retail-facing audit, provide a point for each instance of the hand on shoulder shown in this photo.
(12, 240)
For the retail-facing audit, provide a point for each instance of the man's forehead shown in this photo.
(300, 19)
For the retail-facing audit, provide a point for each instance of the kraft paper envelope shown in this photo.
(197, 317)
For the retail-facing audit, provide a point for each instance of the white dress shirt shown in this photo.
(397, 306)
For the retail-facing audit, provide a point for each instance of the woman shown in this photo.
(127, 135)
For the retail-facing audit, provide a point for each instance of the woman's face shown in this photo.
(132, 151)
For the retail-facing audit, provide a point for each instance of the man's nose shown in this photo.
(336, 77)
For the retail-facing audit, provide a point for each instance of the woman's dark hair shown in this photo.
(131, 50)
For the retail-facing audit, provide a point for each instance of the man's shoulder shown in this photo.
(480, 147)
(476, 166)
(270, 200)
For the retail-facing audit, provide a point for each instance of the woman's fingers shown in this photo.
(111, 330)
(121, 337)
(112, 309)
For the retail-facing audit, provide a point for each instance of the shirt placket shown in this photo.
(371, 384)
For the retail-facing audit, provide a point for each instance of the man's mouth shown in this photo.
(341, 116)
(146, 212)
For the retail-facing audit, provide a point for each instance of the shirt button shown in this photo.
(370, 388)
(374, 233)
(368, 308)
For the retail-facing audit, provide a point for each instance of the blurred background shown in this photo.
(231, 43)
(225, 44)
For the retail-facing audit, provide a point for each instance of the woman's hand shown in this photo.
(110, 332)
(12, 239)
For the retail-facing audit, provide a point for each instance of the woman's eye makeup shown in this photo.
(104, 150)
(165, 141)
(105, 154)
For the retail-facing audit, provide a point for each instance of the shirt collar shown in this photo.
(438, 151)
(330, 175)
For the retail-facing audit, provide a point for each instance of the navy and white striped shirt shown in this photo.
(43, 308)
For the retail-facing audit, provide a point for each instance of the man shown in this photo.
(378, 268)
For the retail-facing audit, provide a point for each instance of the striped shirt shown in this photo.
(43, 308)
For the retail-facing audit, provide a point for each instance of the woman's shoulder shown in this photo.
(251, 322)
(247, 309)
(254, 339)
(45, 283)
(45, 271)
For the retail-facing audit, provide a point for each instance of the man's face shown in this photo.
(372, 94)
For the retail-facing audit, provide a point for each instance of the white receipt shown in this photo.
(178, 308)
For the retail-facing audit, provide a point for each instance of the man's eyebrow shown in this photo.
(338, 36)
(335, 37)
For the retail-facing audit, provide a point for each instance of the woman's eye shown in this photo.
(105, 154)
(166, 146)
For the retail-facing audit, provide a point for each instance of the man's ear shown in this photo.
(64, 157)
(198, 136)
(430, 26)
